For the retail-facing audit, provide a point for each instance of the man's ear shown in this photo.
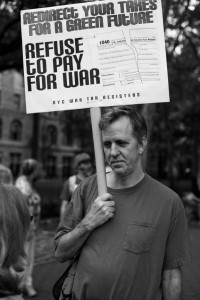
(142, 145)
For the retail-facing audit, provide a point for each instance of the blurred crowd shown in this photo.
(20, 212)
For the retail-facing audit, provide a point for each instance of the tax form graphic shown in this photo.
(128, 57)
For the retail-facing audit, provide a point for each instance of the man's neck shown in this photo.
(119, 182)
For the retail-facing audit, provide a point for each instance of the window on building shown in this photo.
(52, 135)
(66, 166)
(17, 101)
(15, 163)
(16, 131)
(0, 98)
(51, 166)
(1, 129)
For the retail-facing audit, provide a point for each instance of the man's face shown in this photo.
(121, 148)
(85, 168)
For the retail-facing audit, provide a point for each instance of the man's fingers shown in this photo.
(102, 210)
(105, 197)
(110, 203)
(112, 215)
(105, 200)
(112, 209)
(109, 211)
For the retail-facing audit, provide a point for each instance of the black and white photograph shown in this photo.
(100, 150)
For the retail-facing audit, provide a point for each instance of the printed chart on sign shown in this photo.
(127, 57)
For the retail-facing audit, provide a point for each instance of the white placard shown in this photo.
(93, 55)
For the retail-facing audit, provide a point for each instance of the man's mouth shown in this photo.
(116, 162)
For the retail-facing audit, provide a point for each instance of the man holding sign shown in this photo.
(131, 241)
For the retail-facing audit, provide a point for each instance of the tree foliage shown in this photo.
(176, 125)
(10, 29)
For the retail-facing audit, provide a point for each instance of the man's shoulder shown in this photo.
(89, 181)
(163, 197)
(160, 187)
(86, 192)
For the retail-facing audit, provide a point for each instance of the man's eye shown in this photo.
(106, 144)
(121, 143)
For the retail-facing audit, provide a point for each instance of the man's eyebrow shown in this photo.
(106, 138)
(121, 141)
(106, 141)
(114, 140)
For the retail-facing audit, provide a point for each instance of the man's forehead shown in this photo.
(120, 126)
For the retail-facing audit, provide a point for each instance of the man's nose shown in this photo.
(114, 150)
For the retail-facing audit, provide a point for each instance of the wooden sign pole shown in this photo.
(95, 114)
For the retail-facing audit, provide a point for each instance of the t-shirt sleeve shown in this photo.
(65, 193)
(178, 244)
(72, 216)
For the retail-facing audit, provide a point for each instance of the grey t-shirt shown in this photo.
(124, 258)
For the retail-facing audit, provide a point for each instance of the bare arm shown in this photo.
(101, 211)
(172, 284)
(63, 207)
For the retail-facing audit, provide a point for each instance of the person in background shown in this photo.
(5, 174)
(31, 171)
(132, 240)
(83, 166)
(15, 222)
(191, 201)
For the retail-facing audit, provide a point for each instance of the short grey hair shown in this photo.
(138, 122)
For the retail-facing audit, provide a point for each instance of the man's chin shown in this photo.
(118, 169)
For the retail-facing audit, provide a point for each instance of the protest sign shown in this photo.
(93, 55)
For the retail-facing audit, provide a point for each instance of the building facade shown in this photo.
(31, 135)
